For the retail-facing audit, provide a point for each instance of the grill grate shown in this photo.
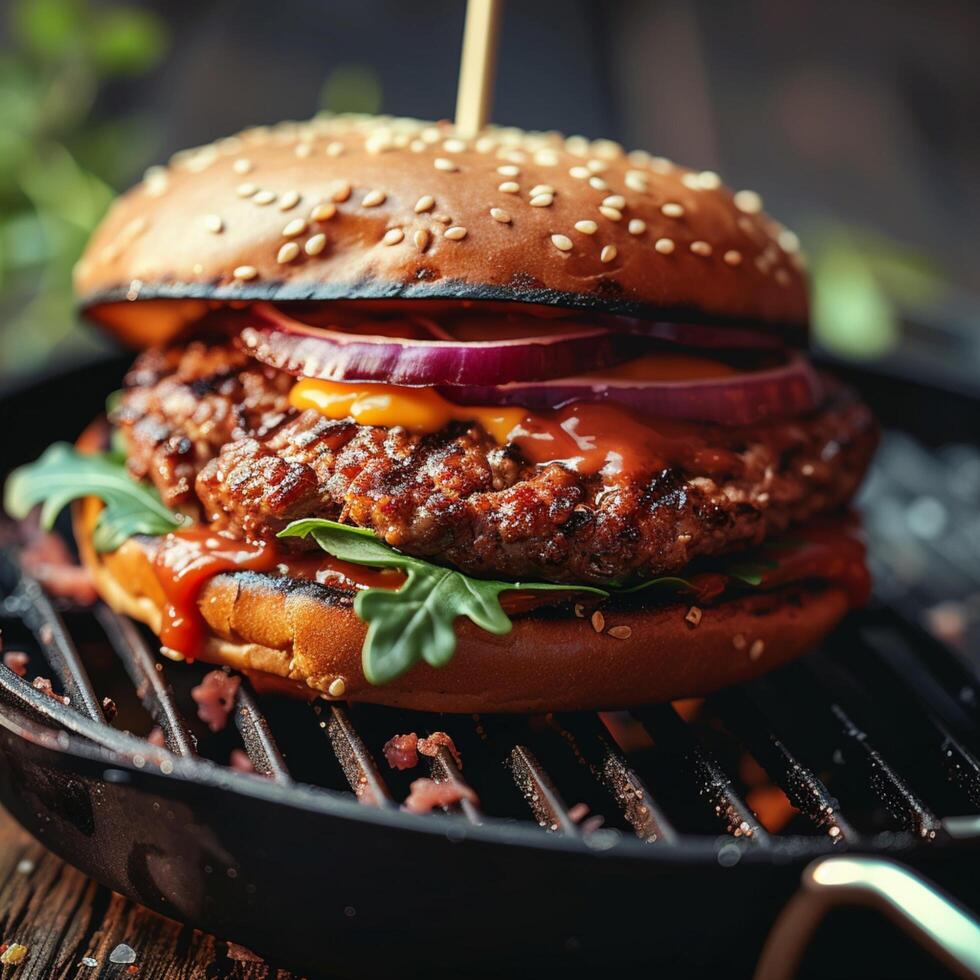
(801, 759)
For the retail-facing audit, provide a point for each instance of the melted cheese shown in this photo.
(417, 409)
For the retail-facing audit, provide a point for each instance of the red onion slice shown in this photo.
(743, 398)
(285, 343)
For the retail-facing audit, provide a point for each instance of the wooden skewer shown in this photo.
(476, 70)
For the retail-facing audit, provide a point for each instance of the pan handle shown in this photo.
(937, 923)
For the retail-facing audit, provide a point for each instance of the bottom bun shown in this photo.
(305, 638)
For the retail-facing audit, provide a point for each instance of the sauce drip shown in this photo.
(593, 437)
(588, 437)
(185, 560)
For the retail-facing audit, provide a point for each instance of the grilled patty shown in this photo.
(214, 431)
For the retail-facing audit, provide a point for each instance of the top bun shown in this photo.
(355, 207)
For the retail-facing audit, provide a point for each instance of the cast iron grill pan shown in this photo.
(709, 812)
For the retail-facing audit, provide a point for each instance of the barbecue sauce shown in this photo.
(185, 560)
(587, 437)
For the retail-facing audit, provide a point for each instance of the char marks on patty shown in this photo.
(214, 431)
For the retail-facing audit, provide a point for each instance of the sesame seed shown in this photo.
(373, 198)
(660, 165)
(245, 272)
(242, 166)
(709, 180)
(597, 166)
(499, 214)
(672, 210)
(324, 211)
(342, 190)
(509, 187)
(733, 257)
(579, 610)
(598, 621)
(611, 213)
(295, 228)
(598, 183)
(608, 253)
(246, 190)
(441, 163)
(691, 181)
(455, 233)
(417, 146)
(508, 170)
(264, 197)
(739, 641)
(421, 239)
(289, 200)
(337, 688)
(701, 248)
(620, 632)
(542, 189)
(485, 144)
(615, 201)
(748, 202)
(782, 277)
(393, 236)
(425, 203)
(303, 150)
(562, 242)
(287, 253)
(454, 146)
(542, 201)
(315, 245)
(378, 143)
(788, 241)
(587, 227)
(214, 224)
(443, 219)
(664, 245)
(635, 180)
(546, 158)
(694, 615)
(637, 226)
(334, 149)
(156, 180)
(580, 173)
(756, 650)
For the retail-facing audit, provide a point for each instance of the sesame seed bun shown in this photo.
(378, 208)
(305, 638)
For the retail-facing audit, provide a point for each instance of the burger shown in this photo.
(509, 423)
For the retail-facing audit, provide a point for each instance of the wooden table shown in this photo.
(62, 916)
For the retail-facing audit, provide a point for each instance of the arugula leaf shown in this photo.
(62, 475)
(415, 622)
(750, 572)
(665, 581)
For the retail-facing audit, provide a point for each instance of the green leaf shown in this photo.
(751, 573)
(48, 28)
(415, 622)
(63, 474)
(664, 582)
(127, 40)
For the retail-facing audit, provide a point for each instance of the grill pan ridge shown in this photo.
(868, 746)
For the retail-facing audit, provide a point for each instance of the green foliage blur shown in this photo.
(60, 161)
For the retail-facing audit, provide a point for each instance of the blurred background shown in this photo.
(856, 119)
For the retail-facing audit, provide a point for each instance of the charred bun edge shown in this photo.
(306, 639)
(794, 333)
